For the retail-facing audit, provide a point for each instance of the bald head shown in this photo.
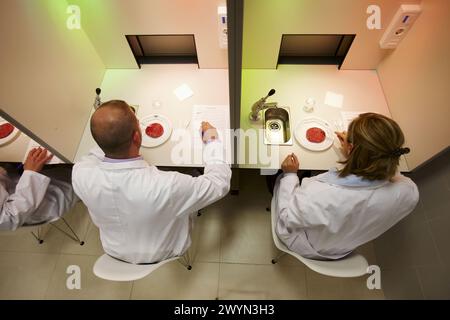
(113, 125)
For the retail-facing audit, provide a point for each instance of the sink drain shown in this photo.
(274, 126)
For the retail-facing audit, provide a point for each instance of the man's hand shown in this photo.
(290, 164)
(36, 159)
(345, 145)
(209, 133)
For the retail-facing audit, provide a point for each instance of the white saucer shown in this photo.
(150, 142)
(304, 125)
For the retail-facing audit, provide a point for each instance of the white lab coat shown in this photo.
(32, 198)
(144, 214)
(327, 217)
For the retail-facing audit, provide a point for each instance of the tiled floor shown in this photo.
(232, 246)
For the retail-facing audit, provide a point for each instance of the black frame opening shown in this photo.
(163, 48)
(320, 49)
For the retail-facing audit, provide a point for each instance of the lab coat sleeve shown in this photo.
(17, 207)
(190, 194)
(294, 207)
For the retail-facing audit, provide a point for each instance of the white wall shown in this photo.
(108, 21)
(266, 20)
(415, 78)
(48, 73)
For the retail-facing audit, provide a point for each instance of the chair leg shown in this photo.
(275, 260)
(186, 260)
(38, 236)
(72, 236)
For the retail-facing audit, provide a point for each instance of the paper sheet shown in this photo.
(217, 116)
(33, 144)
(183, 92)
(348, 116)
(333, 99)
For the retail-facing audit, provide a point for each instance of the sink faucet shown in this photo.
(260, 105)
(97, 101)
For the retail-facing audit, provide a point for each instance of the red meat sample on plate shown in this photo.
(315, 135)
(5, 130)
(154, 130)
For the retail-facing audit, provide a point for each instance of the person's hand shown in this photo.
(345, 145)
(208, 132)
(36, 159)
(290, 164)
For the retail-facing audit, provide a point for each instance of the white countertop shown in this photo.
(151, 88)
(361, 91)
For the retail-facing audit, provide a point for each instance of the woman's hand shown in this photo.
(345, 145)
(36, 159)
(290, 164)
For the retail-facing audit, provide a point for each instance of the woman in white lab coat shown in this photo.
(33, 198)
(330, 215)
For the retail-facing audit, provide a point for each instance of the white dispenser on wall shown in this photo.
(223, 31)
(400, 25)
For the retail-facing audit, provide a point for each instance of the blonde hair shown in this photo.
(377, 146)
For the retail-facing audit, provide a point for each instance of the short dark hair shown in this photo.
(115, 133)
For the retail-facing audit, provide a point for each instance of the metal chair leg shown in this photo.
(275, 260)
(185, 260)
(38, 236)
(74, 236)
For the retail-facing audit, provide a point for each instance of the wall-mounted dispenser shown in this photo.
(223, 31)
(400, 25)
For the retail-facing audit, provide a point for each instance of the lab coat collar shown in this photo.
(133, 164)
(332, 177)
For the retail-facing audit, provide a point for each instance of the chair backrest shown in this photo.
(353, 265)
(108, 268)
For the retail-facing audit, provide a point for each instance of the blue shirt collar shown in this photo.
(332, 177)
(110, 160)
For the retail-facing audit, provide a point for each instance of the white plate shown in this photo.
(155, 118)
(304, 125)
(11, 136)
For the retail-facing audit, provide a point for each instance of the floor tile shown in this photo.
(243, 281)
(92, 287)
(21, 240)
(173, 281)
(401, 283)
(435, 282)
(25, 275)
(323, 287)
(205, 245)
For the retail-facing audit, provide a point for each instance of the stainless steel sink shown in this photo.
(277, 127)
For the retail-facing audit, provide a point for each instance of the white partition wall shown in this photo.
(108, 21)
(265, 21)
(415, 78)
(48, 73)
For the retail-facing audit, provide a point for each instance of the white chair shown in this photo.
(109, 268)
(353, 265)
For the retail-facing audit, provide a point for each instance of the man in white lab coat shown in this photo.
(144, 214)
(329, 215)
(33, 198)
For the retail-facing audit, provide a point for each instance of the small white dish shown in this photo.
(150, 142)
(309, 105)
